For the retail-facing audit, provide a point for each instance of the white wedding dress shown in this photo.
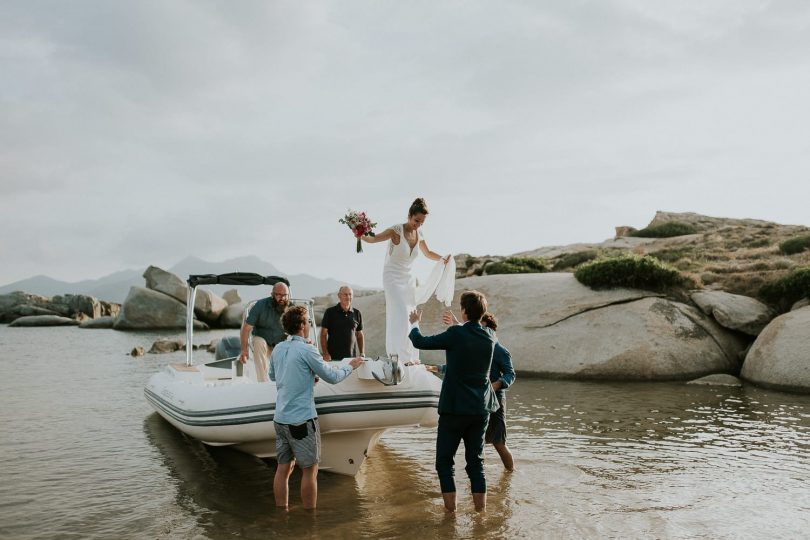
(402, 297)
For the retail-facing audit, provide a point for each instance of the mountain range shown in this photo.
(114, 287)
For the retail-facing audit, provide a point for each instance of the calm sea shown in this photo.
(83, 456)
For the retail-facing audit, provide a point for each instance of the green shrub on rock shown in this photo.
(571, 260)
(665, 230)
(795, 245)
(789, 289)
(756, 242)
(633, 271)
(517, 265)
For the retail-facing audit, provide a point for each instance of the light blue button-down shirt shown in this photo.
(293, 366)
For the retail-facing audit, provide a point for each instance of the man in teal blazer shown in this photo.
(466, 398)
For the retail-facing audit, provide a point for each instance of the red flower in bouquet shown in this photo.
(360, 225)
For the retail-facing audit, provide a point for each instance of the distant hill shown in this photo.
(114, 287)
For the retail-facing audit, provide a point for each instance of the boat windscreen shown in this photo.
(235, 278)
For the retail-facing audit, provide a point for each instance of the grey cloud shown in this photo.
(212, 126)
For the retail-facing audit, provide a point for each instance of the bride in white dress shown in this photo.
(398, 280)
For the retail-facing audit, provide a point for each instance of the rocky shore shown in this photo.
(553, 325)
(23, 309)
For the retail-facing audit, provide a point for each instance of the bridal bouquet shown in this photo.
(360, 225)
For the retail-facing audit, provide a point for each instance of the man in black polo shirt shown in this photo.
(342, 329)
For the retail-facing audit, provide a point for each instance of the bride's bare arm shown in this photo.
(387, 234)
(432, 255)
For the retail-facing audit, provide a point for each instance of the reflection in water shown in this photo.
(83, 456)
(230, 491)
(663, 457)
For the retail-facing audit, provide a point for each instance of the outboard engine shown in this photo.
(391, 369)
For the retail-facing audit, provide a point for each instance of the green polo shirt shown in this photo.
(266, 322)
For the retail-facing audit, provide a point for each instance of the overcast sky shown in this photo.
(137, 133)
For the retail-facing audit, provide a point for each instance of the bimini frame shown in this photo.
(234, 278)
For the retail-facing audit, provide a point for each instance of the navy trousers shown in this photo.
(453, 428)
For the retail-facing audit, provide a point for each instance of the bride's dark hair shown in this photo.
(419, 206)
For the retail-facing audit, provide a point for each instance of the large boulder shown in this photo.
(71, 305)
(232, 297)
(77, 306)
(718, 379)
(101, 322)
(556, 327)
(27, 310)
(147, 309)
(44, 320)
(167, 345)
(160, 280)
(20, 304)
(231, 316)
(734, 311)
(779, 356)
(208, 306)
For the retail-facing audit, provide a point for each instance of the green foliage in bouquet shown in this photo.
(517, 265)
(787, 290)
(632, 271)
(795, 245)
(665, 230)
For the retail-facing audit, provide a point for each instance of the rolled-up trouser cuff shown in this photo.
(478, 481)
(448, 484)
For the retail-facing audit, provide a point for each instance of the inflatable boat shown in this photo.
(220, 404)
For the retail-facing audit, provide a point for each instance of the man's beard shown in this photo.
(280, 306)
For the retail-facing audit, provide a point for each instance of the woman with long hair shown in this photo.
(398, 279)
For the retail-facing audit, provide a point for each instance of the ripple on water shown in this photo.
(82, 455)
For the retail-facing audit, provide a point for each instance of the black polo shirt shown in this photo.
(341, 341)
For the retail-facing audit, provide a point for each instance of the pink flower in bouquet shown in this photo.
(360, 225)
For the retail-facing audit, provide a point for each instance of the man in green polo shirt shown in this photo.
(264, 322)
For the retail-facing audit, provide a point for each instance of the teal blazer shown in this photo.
(466, 388)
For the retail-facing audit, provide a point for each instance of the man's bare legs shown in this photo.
(309, 487)
(281, 484)
(449, 501)
(480, 501)
(506, 456)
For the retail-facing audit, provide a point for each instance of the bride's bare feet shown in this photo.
(412, 362)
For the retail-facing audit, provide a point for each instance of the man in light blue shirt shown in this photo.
(294, 366)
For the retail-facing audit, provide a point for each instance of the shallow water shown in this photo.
(83, 456)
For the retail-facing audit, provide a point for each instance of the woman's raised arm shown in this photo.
(387, 234)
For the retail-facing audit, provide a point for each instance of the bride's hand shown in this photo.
(446, 259)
